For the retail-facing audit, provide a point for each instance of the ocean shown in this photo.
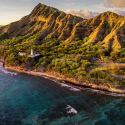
(34, 100)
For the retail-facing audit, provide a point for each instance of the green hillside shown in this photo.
(71, 47)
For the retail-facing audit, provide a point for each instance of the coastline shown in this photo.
(73, 82)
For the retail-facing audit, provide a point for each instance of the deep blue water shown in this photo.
(33, 100)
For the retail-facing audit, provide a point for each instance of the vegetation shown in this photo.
(32, 23)
(73, 60)
(69, 46)
(4, 36)
(23, 25)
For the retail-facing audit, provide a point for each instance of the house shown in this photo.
(22, 53)
(34, 55)
(37, 54)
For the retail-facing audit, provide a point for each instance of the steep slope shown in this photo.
(70, 47)
(116, 39)
(99, 27)
(46, 19)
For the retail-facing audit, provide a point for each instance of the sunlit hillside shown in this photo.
(73, 48)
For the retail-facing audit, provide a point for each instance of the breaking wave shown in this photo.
(63, 85)
(5, 71)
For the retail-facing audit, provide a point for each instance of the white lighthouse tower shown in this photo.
(31, 52)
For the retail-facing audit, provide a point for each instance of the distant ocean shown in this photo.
(34, 100)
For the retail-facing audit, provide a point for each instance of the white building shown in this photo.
(22, 53)
(37, 54)
(34, 55)
(31, 52)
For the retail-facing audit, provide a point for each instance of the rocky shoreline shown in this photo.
(69, 81)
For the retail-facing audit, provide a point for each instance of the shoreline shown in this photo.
(70, 81)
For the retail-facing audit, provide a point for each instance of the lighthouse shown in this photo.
(31, 52)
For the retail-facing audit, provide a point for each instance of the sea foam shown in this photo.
(72, 110)
(62, 84)
(5, 71)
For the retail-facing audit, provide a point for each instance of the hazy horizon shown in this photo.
(14, 10)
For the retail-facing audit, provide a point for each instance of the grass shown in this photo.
(110, 75)
(113, 69)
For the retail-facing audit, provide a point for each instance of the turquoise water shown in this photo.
(33, 100)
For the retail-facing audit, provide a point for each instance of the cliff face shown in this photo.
(107, 27)
(46, 19)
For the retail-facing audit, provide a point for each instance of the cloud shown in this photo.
(119, 12)
(95, 3)
(25, 0)
(2, 6)
(68, 4)
(83, 13)
(114, 3)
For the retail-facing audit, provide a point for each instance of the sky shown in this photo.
(13, 10)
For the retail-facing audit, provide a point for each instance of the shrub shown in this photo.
(97, 74)
(105, 58)
(56, 14)
(121, 60)
(4, 36)
(32, 23)
(23, 25)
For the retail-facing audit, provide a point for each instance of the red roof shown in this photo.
(22, 52)
(38, 53)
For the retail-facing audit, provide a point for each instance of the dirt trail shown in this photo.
(111, 63)
(114, 64)
(117, 76)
